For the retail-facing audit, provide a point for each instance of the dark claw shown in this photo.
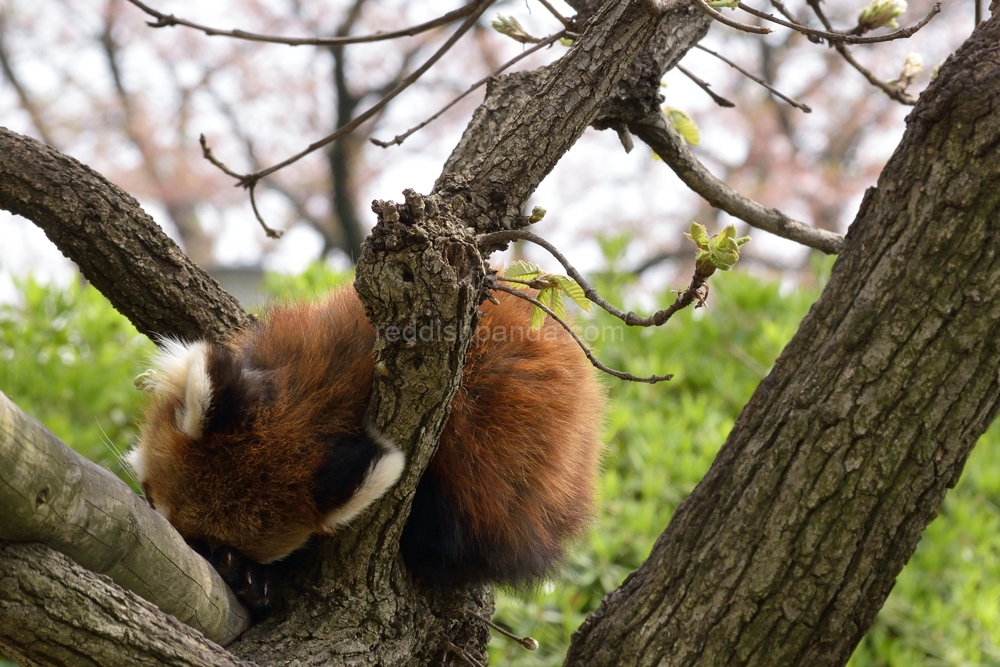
(251, 581)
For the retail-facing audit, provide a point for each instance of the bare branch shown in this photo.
(722, 18)
(400, 138)
(892, 91)
(707, 87)
(835, 37)
(622, 375)
(169, 20)
(664, 140)
(53, 611)
(758, 80)
(249, 180)
(117, 246)
(559, 17)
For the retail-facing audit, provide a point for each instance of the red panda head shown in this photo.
(241, 454)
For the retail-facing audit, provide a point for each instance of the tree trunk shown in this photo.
(787, 549)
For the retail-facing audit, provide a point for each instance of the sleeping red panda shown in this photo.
(259, 442)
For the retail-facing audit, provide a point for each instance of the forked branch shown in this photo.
(693, 293)
(622, 375)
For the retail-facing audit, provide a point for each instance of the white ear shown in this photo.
(135, 459)
(183, 374)
(383, 473)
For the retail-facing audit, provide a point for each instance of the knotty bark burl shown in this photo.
(786, 551)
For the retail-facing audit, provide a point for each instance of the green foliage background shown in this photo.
(67, 358)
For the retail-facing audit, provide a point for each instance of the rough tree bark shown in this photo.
(786, 551)
(86, 618)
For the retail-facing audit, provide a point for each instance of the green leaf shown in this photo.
(522, 270)
(537, 314)
(684, 125)
(557, 305)
(509, 26)
(881, 14)
(722, 250)
(574, 291)
(698, 234)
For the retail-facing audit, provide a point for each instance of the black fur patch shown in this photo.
(439, 548)
(346, 459)
(236, 391)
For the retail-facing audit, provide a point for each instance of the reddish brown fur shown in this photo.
(522, 446)
(517, 458)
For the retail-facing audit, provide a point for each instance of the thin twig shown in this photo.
(248, 180)
(167, 20)
(529, 643)
(464, 655)
(400, 138)
(664, 140)
(271, 233)
(721, 18)
(775, 91)
(555, 12)
(892, 91)
(206, 152)
(488, 242)
(622, 375)
(784, 11)
(835, 37)
(707, 87)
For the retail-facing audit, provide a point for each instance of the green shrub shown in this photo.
(67, 358)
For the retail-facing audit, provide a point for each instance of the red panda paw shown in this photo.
(255, 584)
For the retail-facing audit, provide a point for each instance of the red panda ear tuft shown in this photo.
(182, 375)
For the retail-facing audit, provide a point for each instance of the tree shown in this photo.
(786, 550)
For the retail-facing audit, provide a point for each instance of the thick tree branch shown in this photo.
(50, 494)
(657, 133)
(789, 546)
(56, 613)
(565, 101)
(117, 246)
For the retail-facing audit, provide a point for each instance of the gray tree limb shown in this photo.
(657, 133)
(52, 495)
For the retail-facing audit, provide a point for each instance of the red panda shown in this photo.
(259, 442)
